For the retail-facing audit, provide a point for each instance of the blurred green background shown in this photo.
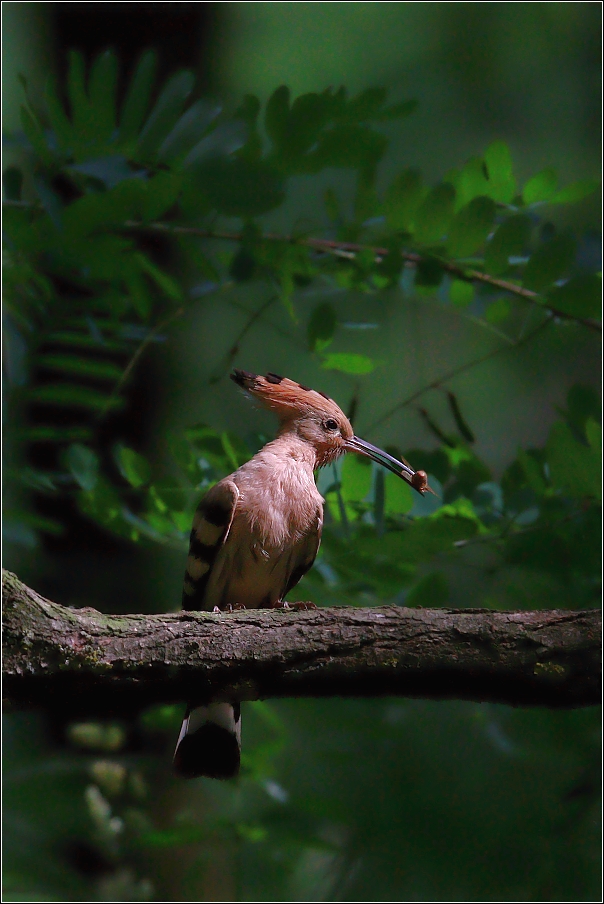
(342, 800)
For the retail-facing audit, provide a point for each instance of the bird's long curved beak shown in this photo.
(417, 479)
(400, 468)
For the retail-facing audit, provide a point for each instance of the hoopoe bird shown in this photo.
(256, 533)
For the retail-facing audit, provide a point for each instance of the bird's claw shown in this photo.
(299, 604)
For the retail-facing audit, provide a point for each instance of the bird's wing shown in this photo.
(304, 554)
(211, 526)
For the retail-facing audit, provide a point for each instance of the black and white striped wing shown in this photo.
(211, 525)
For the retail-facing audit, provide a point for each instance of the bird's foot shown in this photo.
(229, 608)
(299, 604)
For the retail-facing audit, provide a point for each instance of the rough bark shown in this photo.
(55, 656)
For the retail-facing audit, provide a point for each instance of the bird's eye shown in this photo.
(330, 424)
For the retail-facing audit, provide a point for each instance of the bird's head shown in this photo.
(316, 419)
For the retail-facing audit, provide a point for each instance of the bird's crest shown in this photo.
(285, 397)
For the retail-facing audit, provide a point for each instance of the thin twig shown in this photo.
(135, 357)
(436, 384)
(232, 353)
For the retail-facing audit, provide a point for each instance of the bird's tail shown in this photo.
(209, 742)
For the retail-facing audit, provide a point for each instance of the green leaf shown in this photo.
(86, 367)
(469, 471)
(101, 93)
(83, 465)
(576, 191)
(398, 495)
(167, 285)
(35, 135)
(161, 194)
(593, 431)
(583, 402)
(540, 187)
(461, 293)
(348, 363)
(96, 210)
(533, 469)
(355, 479)
(188, 131)
(429, 273)
(321, 327)
(59, 121)
(249, 110)
(71, 396)
(498, 160)
(347, 147)
(133, 467)
(470, 227)
(110, 169)
(276, 116)
(366, 104)
(470, 182)
(434, 214)
(136, 103)
(308, 115)
(366, 202)
(240, 187)
(104, 506)
(498, 311)
(510, 240)
(550, 261)
(76, 92)
(574, 467)
(37, 480)
(402, 199)
(581, 296)
(165, 114)
(139, 294)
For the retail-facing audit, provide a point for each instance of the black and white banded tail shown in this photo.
(209, 742)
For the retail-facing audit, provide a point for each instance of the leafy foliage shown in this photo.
(122, 200)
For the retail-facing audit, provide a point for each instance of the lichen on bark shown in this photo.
(121, 663)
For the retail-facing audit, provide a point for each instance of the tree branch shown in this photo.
(57, 657)
(411, 258)
(351, 249)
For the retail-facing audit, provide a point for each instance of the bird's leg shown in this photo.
(229, 608)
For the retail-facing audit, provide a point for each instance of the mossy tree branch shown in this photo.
(55, 656)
